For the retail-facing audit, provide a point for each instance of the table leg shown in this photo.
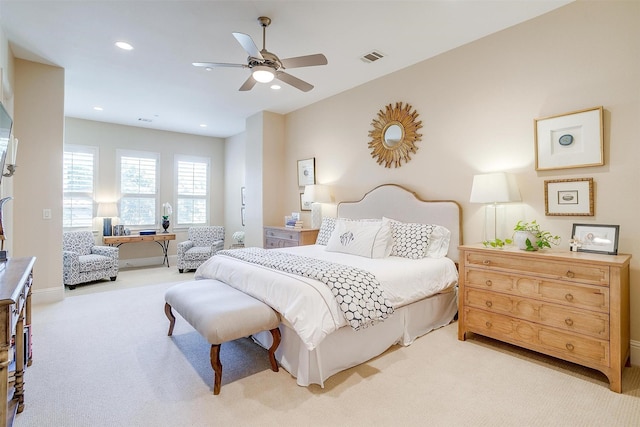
(164, 244)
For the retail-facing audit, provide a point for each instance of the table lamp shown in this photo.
(316, 194)
(492, 189)
(107, 211)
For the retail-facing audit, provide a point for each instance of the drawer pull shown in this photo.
(489, 304)
(571, 274)
(568, 321)
(487, 324)
(569, 346)
(568, 297)
(486, 262)
(488, 283)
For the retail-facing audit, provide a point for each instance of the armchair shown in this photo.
(83, 261)
(203, 243)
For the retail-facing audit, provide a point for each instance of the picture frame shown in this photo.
(242, 215)
(570, 140)
(596, 238)
(305, 205)
(569, 197)
(306, 172)
(242, 195)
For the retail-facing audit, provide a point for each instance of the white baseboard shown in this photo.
(635, 353)
(47, 295)
(146, 262)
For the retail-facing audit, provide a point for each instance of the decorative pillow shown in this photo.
(438, 242)
(326, 228)
(364, 238)
(415, 240)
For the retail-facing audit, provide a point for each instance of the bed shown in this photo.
(318, 339)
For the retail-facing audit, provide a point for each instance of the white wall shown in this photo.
(234, 180)
(477, 104)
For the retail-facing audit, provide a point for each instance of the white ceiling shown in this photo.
(157, 82)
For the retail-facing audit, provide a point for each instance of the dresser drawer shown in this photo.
(272, 243)
(274, 233)
(559, 292)
(579, 321)
(568, 346)
(584, 273)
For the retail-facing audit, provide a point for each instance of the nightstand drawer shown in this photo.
(276, 233)
(583, 322)
(593, 274)
(565, 293)
(282, 237)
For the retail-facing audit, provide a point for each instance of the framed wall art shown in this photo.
(571, 140)
(306, 172)
(569, 197)
(596, 238)
(305, 205)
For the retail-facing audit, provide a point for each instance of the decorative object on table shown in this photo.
(394, 135)
(107, 211)
(243, 196)
(166, 213)
(596, 238)
(316, 195)
(238, 237)
(118, 230)
(293, 221)
(569, 197)
(306, 172)
(571, 140)
(494, 189)
(529, 236)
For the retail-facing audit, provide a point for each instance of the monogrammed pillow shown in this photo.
(364, 238)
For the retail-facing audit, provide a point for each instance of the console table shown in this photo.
(16, 275)
(162, 239)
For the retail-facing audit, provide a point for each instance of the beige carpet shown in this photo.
(104, 359)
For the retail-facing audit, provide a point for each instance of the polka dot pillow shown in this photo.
(326, 228)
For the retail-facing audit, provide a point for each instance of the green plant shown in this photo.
(497, 243)
(543, 239)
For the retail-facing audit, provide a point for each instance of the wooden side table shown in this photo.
(283, 237)
(161, 239)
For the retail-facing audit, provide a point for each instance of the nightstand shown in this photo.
(570, 305)
(283, 237)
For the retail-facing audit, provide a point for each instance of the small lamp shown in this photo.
(316, 194)
(107, 211)
(263, 74)
(494, 188)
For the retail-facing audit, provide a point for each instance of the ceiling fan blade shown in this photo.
(248, 44)
(304, 61)
(248, 84)
(218, 64)
(294, 81)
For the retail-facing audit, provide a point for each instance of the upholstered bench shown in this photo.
(221, 313)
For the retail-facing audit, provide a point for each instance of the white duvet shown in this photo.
(308, 305)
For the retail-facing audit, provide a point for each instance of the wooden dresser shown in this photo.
(15, 333)
(570, 305)
(283, 237)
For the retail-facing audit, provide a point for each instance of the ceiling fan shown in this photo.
(265, 66)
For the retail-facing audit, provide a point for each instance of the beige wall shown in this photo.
(234, 180)
(111, 137)
(477, 104)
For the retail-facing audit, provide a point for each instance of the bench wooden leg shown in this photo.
(170, 316)
(275, 333)
(217, 367)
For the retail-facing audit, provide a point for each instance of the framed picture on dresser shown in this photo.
(596, 238)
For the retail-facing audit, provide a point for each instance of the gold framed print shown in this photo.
(569, 197)
(571, 140)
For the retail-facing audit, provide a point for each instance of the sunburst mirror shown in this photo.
(394, 135)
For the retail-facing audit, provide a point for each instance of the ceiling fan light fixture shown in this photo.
(263, 74)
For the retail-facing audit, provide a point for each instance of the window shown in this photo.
(79, 174)
(138, 172)
(192, 182)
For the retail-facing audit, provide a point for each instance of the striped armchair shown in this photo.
(203, 243)
(83, 261)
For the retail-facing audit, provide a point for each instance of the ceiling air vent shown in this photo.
(372, 56)
(142, 119)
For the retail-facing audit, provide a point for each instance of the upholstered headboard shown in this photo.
(394, 201)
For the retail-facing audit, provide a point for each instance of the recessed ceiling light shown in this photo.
(124, 45)
(275, 87)
(97, 108)
(203, 125)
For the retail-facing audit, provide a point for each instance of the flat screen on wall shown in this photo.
(5, 135)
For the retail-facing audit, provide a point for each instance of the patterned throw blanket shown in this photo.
(357, 291)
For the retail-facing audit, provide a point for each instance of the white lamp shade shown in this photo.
(263, 74)
(107, 210)
(498, 187)
(317, 193)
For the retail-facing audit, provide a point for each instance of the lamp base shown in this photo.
(106, 227)
(316, 215)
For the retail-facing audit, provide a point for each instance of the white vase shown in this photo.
(520, 239)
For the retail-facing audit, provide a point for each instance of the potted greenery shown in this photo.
(530, 237)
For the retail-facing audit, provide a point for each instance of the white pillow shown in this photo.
(369, 239)
(415, 240)
(438, 242)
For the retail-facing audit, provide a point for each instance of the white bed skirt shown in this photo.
(346, 348)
